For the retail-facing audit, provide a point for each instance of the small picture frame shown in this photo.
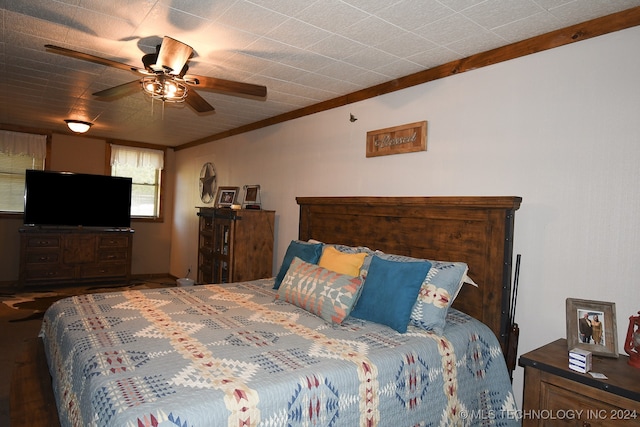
(251, 197)
(591, 325)
(226, 197)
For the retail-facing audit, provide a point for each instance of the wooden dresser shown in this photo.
(70, 255)
(555, 395)
(235, 245)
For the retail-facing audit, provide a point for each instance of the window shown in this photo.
(144, 166)
(18, 152)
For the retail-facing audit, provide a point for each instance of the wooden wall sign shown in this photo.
(398, 139)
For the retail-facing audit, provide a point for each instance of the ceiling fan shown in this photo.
(164, 76)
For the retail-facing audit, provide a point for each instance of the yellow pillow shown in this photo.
(340, 262)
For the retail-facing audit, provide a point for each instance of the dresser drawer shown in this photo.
(43, 242)
(50, 273)
(569, 408)
(104, 270)
(42, 257)
(112, 255)
(113, 242)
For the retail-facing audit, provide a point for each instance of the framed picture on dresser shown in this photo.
(591, 326)
(251, 197)
(226, 197)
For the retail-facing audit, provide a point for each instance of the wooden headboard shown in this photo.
(475, 230)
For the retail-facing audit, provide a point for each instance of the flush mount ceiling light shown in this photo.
(78, 126)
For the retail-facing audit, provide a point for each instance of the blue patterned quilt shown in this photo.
(232, 355)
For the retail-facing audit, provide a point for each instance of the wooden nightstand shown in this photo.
(554, 395)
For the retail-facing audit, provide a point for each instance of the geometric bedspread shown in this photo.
(232, 355)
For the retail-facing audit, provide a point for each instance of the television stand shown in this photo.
(69, 255)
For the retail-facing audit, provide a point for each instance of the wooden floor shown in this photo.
(32, 401)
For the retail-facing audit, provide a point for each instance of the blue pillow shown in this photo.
(390, 292)
(308, 252)
(439, 289)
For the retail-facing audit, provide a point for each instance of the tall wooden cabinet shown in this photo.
(235, 245)
(70, 255)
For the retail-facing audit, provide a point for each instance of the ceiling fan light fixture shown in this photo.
(150, 86)
(164, 89)
(78, 126)
(170, 89)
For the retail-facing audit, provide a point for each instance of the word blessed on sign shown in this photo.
(399, 139)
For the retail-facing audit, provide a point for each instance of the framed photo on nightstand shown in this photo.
(591, 325)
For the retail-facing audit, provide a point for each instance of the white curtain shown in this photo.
(25, 144)
(137, 157)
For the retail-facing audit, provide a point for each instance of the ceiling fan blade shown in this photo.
(173, 55)
(197, 102)
(120, 90)
(91, 58)
(226, 86)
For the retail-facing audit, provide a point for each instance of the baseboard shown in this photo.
(152, 276)
(8, 286)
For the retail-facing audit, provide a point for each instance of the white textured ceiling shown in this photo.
(304, 52)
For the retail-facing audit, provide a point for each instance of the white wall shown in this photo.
(559, 128)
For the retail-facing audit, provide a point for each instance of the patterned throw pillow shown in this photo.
(323, 292)
(390, 291)
(309, 252)
(437, 294)
(440, 287)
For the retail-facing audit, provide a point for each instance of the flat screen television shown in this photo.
(66, 199)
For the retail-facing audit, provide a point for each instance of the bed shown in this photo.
(246, 354)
